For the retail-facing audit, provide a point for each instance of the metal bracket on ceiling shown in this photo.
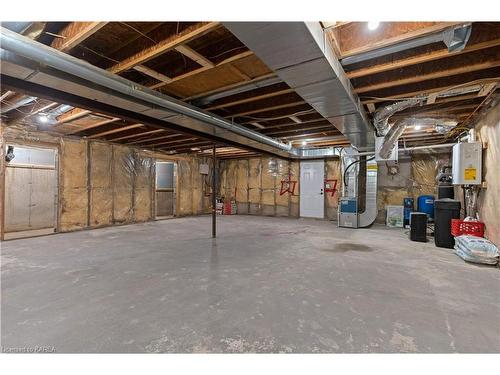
(456, 38)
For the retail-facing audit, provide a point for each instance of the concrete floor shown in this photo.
(265, 285)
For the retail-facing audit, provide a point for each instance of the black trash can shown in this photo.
(445, 210)
(418, 226)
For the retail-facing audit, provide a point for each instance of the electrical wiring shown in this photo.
(226, 52)
(139, 32)
(280, 117)
(350, 165)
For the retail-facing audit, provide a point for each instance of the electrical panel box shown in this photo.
(466, 168)
(204, 169)
(378, 145)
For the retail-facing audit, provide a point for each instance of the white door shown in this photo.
(312, 199)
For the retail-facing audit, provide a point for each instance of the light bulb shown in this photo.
(304, 143)
(43, 119)
(372, 25)
(418, 127)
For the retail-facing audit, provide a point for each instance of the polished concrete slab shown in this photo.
(265, 285)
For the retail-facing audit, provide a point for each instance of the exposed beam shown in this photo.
(295, 119)
(411, 94)
(117, 130)
(74, 34)
(196, 71)
(383, 41)
(425, 77)
(419, 59)
(195, 56)
(153, 73)
(266, 109)
(72, 115)
(136, 135)
(141, 141)
(91, 126)
(251, 99)
(6, 95)
(239, 73)
(229, 87)
(257, 125)
(202, 69)
(165, 45)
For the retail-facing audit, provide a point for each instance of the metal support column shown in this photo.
(214, 190)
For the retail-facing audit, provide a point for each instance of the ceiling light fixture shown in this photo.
(43, 119)
(304, 143)
(373, 25)
(418, 127)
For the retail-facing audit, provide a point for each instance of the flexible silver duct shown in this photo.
(381, 117)
(398, 128)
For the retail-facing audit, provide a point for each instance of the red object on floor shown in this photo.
(473, 228)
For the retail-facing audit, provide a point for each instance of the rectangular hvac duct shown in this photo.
(300, 54)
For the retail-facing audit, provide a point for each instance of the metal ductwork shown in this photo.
(18, 27)
(455, 38)
(381, 117)
(34, 62)
(28, 61)
(8, 106)
(398, 128)
(301, 56)
(237, 90)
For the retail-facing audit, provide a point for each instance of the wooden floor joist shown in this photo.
(139, 134)
(426, 77)
(419, 59)
(165, 45)
(94, 125)
(117, 130)
(74, 34)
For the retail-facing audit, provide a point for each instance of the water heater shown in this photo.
(467, 163)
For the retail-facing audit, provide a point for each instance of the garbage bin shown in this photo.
(445, 210)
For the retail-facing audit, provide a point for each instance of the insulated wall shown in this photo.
(488, 132)
(103, 184)
(415, 175)
(264, 186)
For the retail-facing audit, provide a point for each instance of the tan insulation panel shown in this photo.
(101, 206)
(73, 194)
(184, 192)
(423, 169)
(242, 181)
(230, 179)
(254, 180)
(332, 172)
(123, 176)
(488, 130)
(143, 188)
(295, 174)
(283, 167)
(197, 185)
(267, 183)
